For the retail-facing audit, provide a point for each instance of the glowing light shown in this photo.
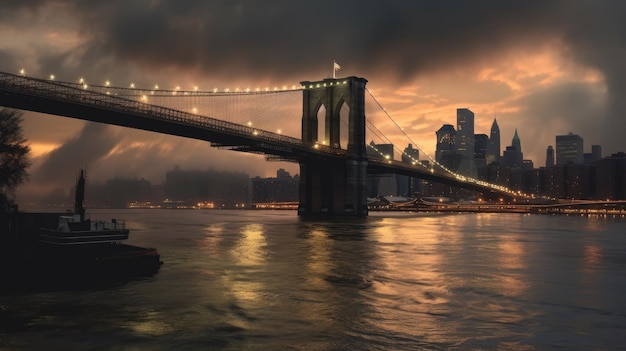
(85, 86)
(215, 90)
(156, 87)
(195, 88)
(23, 72)
(144, 98)
(255, 133)
(279, 131)
(52, 77)
(81, 80)
(132, 85)
(107, 83)
(249, 123)
(195, 110)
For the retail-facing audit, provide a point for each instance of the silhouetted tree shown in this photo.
(13, 155)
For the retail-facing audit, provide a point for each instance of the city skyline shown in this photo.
(542, 71)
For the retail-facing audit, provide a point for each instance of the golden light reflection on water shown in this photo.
(318, 262)
(592, 255)
(414, 297)
(213, 237)
(511, 258)
(250, 249)
(439, 256)
(590, 266)
(150, 323)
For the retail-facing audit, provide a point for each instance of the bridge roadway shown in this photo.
(71, 100)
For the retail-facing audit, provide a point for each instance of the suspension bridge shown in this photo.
(330, 143)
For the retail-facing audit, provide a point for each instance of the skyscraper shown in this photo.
(569, 149)
(381, 184)
(516, 142)
(407, 186)
(550, 156)
(493, 147)
(594, 155)
(513, 156)
(596, 152)
(410, 155)
(465, 141)
(480, 149)
(446, 154)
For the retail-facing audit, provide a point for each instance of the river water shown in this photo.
(264, 280)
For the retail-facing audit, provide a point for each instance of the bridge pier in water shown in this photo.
(334, 186)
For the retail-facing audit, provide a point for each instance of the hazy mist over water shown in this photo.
(255, 280)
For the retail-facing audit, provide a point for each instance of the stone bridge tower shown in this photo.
(334, 186)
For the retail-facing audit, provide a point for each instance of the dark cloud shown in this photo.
(558, 110)
(289, 38)
(598, 38)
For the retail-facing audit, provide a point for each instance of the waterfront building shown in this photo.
(226, 189)
(283, 188)
(495, 173)
(533, 181)
(610, 177)
(569, 149)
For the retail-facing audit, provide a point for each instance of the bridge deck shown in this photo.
(71, 100)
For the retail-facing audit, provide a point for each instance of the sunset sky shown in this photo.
(544, 67)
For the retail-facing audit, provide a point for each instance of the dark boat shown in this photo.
(79, 251)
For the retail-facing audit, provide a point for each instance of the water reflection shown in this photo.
(261, 280)
(444, 272)
(250, 249)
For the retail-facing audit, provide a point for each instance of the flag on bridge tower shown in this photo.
(336, 67)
